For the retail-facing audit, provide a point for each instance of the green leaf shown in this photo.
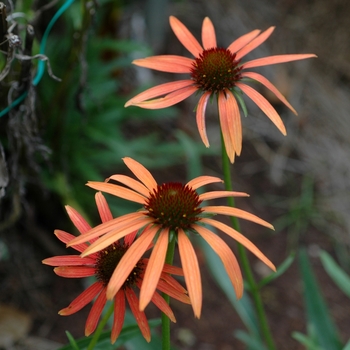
(347, 345)
(339, 277)
(252, 343)
(317, 313)
(72, 341)
(306, 341)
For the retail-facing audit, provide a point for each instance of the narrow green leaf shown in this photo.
(316, 308)
(72, 341)
(252, 343)
(336, 273)
(347, 345)
(306, 341)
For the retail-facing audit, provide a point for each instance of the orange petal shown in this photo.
(129, 260)
(185, 37)
(241, 239)
(174, 270)
(264, 105)
(219, 194)
(191, 272)
(175, 293)
(200, 117)
(254, 43)
(166, 63)
(132, 183)
(202, 181)
(68, 260)
(74, 271)
(103, 208)
(243, 40)
(261, 79)
(239, 213)
(154, 268)
(141, 173)
(117, 190)
(168, 100)
(159, 90)
(79, 222)
(208, 34)
(95, 313)
(163, 306)
(119, 315)
(266, 61)
(227, 257)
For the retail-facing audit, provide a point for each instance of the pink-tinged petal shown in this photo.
(220, 194)
(200, 117)
(141, 173)
(226, 124)
(79, 222)
(192, 275)
(115, 224)
(95, 313)
(166, 63)
(159, 90)
(132, 183)
(111, 237)
(82, 300)
(68, 260)
(174, 270)
(172, 282)
(254, 43)
(243, 40)
(227, 257)
(173, 293)
(129, 260)
(267, 61)
(239, 213)
(66, 237)
(208, 34)
(75, 271)
(202, 181)
(117, 190)
(154, 269)
(241, 239)
(102, 207)
(169, 100)
(185, 37)
(119, 315)
(262, 80)
(140, 316)
(162, 305)
(264, 105)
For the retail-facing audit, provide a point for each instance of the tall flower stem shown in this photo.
(253, 287)
(165, 319)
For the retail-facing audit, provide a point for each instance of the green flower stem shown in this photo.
(253, 286)
(165, 319)
(100, 327)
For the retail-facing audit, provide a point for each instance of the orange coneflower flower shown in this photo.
(215, 70)
(168, 209)
(101, 265)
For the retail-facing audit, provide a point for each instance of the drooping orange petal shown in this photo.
(169, 100)
(227, 257)
(254, 43)
(119, 315)
(140, 316)
(267, 61)
(185, 37)
(141, 173)
(200, 117)
(234, 118)
(74, 271)
(79, 222)
(162, 305)
(117, 190)
(129, 260)
(192, 275)
(243, 40)
(239, 213)
(264, 105)
(174, 270)
(105, 227)
(261, 79)
(241, 239)
(226, 125)
(208, 34)
(219, 194)
(68, 260)
(154, 268)
(159, 90)
(95, 313)
(82, 299)
(166, 63)
(202, 181)
(103, 208)
(132, 183)
(175, 293)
